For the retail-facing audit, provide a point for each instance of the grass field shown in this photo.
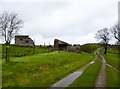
(41, 70)
(112, 57)
(46, 67)
(112, 78)
(88, 78)
(18, 51)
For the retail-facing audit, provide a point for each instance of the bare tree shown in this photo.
(115, 30)
(103, 36)
(9, 26)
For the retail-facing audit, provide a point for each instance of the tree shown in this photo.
(115, 30)
(9, 26)
(103, 36)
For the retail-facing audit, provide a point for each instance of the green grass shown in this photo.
(0, 73)
(88, 78)
(112, 78)
(113, 50)
(18, 51)
(90, 47)
(41, 70)
(112, 57)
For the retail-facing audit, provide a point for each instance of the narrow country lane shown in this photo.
(101, 79)
(66, 81)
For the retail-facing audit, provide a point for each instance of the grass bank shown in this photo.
(112, 57)
(41, 70)
(112, 78)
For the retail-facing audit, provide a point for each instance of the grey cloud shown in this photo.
(64, 19)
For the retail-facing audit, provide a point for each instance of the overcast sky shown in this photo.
(73, 21)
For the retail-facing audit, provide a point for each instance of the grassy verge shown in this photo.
(111, 58)
(112, 78)
(41, 70)
(88, 78)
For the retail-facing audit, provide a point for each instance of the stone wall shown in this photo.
(74, 49)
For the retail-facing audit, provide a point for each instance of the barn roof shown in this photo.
(21, 35)
(61, 42)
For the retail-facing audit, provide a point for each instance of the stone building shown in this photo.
(23, 40)
(74, 49)
(60, 45)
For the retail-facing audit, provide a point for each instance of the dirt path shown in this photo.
(66, 81)
(101, 79)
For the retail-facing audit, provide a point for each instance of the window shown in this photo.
(26, 41)
(21, 39)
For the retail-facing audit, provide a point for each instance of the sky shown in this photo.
(72, 21)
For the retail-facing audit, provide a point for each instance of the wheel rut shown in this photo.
(101, 79)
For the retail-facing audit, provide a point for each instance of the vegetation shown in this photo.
(112, 56)
(88, 78)
(89, 48)
(113, 49)
(112, 59)
(41, 70)
(46, 67)
(112, 78)
(18, 51)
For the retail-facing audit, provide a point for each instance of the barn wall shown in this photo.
(23, 41)
(61, 45)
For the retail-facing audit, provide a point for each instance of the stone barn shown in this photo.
(24, 40)
(60, 45)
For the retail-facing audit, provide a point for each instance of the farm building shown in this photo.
(60, 45)
(23, 40)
